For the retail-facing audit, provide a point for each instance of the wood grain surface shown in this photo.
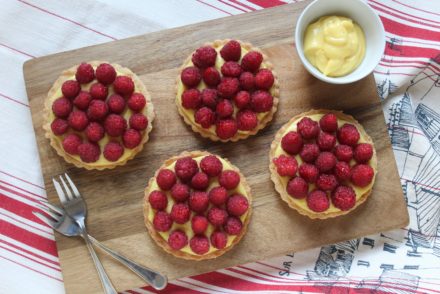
(114, 197)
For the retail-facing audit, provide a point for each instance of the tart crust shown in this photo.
(163, 243)
(57, 144)
(279, 185)
(207, 133)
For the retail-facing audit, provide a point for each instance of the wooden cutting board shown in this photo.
(114, 197)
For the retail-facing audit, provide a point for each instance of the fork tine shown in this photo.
(72, 186)
(66, 188)
(52, 206)
(54, 215)
(60, 191)
(45, 219)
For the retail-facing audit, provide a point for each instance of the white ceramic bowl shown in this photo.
(360, 13)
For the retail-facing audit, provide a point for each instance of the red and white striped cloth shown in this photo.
(403, 261)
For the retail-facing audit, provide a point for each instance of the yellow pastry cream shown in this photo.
(335, 45)
(186, 227)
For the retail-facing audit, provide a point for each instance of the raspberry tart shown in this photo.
(323, 163)
(227, 90)
(197, 206)
(98, 115)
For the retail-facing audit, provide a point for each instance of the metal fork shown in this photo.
(75, 207)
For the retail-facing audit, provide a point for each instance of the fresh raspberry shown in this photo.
(198, 201)
(62, 107)
(233, 225)
(229, 179)
(297, 187)
(264, 79)
(131, 138)
(158, 200)
(292, 142)
(115, 125)
(363, 152)
(166, 179)
(251, 61)
(329, 123)
(237, 205)
(261, 101)
(325, 162)
(247, 120)
(224, 109)
(309, 152)
(327, 182)
(226, 128)
(219, 239)
(89, 152)
(362, 175)
(180, 192)
(116, 103)
(342, 171)
(97, 110)
(199, 244)
(231, 51)
(247, 81)
(199, 224)
(98, 91)
(84, 73)
(78, 120)
(180, 213)
(308, 172)
(318, 201)
(204, 57)
(71, 143)
(218, 195)
(242, 99)
(94, 132)
(308, 128)
(211, 165)
(70, 89)
(217, 216)
(228, 87)
(286, 165)
(162, 221)
(123, 85)
(191, 99)
(177, 240)
(105, 74)
(59, 126)
(231, 69)
(209, 98)
(113, 151)
(343, 153)
(200, 181)
(348, 135)
(186, 168)
(326, 141)
(211, 77)
(191, 76)
(82, 101)
(138, 121)
(344, 197)
(136, 102)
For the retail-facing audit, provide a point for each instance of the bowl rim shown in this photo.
(349, 78)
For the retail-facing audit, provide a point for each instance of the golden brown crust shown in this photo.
(56, 144)
(276, 178)
(163, 243)
(206, 133)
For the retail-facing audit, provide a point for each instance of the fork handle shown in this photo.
(153, 278)
(105, 280)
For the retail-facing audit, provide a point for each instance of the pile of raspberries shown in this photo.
(233, 96)
(332, 161)
(184, 198)
(84, 117)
